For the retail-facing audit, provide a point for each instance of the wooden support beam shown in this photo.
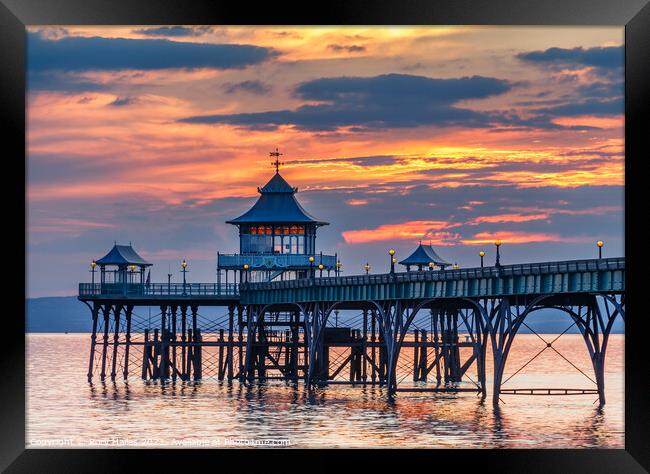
(107, 310)
(127, 347)
(93, 341)
(116, 336)
(146, 349)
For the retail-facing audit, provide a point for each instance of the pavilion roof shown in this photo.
(276, 204)
(123, 255)
(422, 255)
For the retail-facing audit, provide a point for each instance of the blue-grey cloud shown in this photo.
(600, 57)
(588, 107)
(74, 54)
(123, 101)
(61, 82)
(179, 31)
(385, 101)
(353, 48)
(252, 87)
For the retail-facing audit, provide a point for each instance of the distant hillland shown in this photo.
(57, 314)
(66, 313)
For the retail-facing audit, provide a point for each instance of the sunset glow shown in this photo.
(454, 135)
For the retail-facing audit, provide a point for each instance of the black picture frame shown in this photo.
(633, 14)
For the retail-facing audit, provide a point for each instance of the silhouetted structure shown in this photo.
(424, 257)
(276, 238)
(280, 328)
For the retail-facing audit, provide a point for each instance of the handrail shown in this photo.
(568, 266)
(158, 289)
(233, 289)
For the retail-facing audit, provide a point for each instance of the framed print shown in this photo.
(251, 231)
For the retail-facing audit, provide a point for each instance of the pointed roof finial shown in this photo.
(277, 163)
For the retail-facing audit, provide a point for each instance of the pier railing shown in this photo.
(157, 289)
(582, 276)
(525, 269)
(237, 261)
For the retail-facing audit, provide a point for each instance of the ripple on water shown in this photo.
(61, 405)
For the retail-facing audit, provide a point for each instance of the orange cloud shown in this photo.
(357, 202)
(508, 218)
(521, 238)
(410, 230)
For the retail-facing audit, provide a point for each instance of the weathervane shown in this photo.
(277, 161)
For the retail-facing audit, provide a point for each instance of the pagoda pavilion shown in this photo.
(424, 257)
(277, 238)
(121, 270)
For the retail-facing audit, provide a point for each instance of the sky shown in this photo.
(457, 136)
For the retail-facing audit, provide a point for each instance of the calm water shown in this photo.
(65, 411)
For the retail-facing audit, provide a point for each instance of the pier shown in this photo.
(287, 330)
(280, 310)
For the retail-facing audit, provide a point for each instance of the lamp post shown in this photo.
(600, 244)
(246, 267)
(312, 274)
(184, 270)
(93, 264)
(366, 267)
(481, 254)
(338, 267)
(498, 244)
(431, 266)
(320, 268)
(391, 252)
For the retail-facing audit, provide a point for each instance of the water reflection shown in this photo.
(63, 404)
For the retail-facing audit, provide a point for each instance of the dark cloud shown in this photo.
(84, 54)
(605, 57)
(120, 102)
(386, 101)
(174, 31)
(61, 82)
(588, 107)
(603, 90)
(253, 87)
(353, 48)
(367, 161)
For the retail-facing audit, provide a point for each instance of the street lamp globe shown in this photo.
(391, 252)
(431, 264)
(481, 254)
(184, 264)
(311, 259)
